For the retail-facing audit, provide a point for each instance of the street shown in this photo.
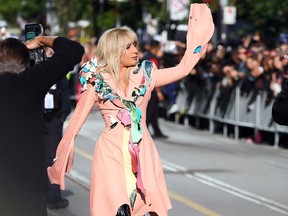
(206, 174)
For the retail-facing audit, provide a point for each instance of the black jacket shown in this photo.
(280, 107)
(22, 156)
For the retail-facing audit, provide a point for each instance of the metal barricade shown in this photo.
(257, 116)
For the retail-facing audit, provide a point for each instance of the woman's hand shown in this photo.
(200, 27)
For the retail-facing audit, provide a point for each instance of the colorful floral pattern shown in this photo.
(129, 114)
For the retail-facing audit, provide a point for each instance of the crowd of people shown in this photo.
(253, 65)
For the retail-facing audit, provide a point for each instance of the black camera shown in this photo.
(31, 31)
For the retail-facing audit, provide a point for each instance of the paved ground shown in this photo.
(78, 199)
(206, 174)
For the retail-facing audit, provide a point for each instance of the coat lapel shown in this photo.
(134, 81)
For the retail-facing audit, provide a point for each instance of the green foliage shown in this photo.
(31, 10)
(8, 10)
(157, 9)
(106, 20)
(267, 17)
(72, 11)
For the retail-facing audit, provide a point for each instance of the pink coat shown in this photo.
(111, 166)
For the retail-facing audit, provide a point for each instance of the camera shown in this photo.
(31, 31)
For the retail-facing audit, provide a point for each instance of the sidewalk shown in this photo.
(78, 197)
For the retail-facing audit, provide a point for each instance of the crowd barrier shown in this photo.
(258, 118)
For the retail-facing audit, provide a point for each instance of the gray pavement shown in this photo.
(78, 196)
(230, 177)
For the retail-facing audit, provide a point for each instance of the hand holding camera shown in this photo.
(37, 54)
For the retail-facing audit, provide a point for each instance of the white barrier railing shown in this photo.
(237, 114)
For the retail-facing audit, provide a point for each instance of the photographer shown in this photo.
(23, 180)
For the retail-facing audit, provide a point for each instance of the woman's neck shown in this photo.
(124, 79)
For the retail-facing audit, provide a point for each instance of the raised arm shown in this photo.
(40, 41)
(67, 54)
(200, 31)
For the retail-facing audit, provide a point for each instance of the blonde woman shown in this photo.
(127, 176)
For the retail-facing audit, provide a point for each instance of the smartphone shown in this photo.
(33, 30)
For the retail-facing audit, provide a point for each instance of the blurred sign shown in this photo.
(229, 15)
(3, 23)
(223, 3)
(178, 9)
(83, 23)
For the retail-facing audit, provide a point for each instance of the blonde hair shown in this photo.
(110, 47)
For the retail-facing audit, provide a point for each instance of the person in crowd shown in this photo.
(211, 73)
(90, 49)
(255, 81)
(55, 115)
(194, 81)
(241, 62)
(154, 54)
(127, 176)
(279, 108)
(170, 59)
(24, 180)
(226, 87)
(4, 33)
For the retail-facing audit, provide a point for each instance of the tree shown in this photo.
(73, 11)
(267, 17)
(31, 10)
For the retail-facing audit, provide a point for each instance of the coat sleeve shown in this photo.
(67, 54)
(64, 155)
(200, 31)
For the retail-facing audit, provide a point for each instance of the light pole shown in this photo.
(51, 17)
(223, 28)
(98, 7)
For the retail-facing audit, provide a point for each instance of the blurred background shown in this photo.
(222, 153)
(232, 88)
(88, 18)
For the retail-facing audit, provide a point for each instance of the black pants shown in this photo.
(152, 113)
(24, 204)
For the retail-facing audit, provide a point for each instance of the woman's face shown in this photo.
(129, 56)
